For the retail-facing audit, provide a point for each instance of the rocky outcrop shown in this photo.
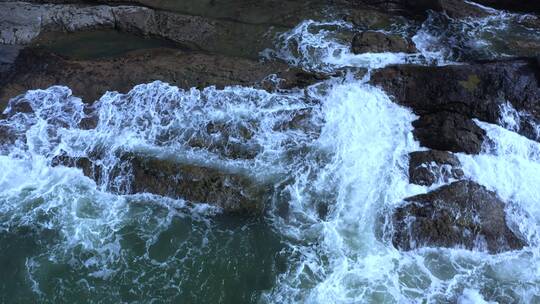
(429, 167)
(449, 131)
(22, 23)
(138, 173)
(462, 214)
(461, 9)
(378, 42)
(89, 79)
(478, 90)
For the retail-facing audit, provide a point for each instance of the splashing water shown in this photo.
(335, 155)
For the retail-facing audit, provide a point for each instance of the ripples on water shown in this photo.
(64, 237)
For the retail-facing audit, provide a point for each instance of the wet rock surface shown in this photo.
(429, 167)
(518, 6)
(477, 90)
(140, 173)
(461, 9)
(462, 214)
(89, 79)
(377, 42)
(22, 23)
(449, 131)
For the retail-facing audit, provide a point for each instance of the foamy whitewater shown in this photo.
(341, 173)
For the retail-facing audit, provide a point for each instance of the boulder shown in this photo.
(462, 214)
(476, 90)
(378, 42)
(449, 131)
(139, 173)
(429, 167)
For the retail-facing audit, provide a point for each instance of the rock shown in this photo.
(292, 78)
(462, 214)
(377, 42)
(89, 79)
(371, 19)
(8, 55)
(449, 132)
(429, 167)
(21, 23)
(460, 9)
(230, 191)
(409, 8)
(279, 13)
(138, 173)
(476, 90)
(512, 5)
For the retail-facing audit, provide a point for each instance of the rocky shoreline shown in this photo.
(222, 49)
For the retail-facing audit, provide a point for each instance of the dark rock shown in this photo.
(88, 167)
(22, 23)
(409, 8)
(229, 140)
(89, 79)
(371, 19)
(462, 214)
(475, 90)
(230, 191)
(377, 42)
(461, 9)
(292, 78)
(138, 173)
(429, 167)
(449, 132)
(512, 5)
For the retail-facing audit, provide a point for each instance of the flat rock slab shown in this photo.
(139, 173)
(462, 214)
(477, 90)
(90, 79)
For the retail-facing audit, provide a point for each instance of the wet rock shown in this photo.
(371, 19)
(449, 132)
(8, 55)
(462, 214)
(232, 192)
(477, 90)
(89, 79)
(21, 23)
(512, 5)
(292, 78)
(89, 168)
(409, 8)
(229, 140)
(377, 42)
(429, 167)
(270, 12)
(138, 173)
(462, 9)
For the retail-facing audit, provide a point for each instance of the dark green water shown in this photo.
(152, 254)
(99, 44)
